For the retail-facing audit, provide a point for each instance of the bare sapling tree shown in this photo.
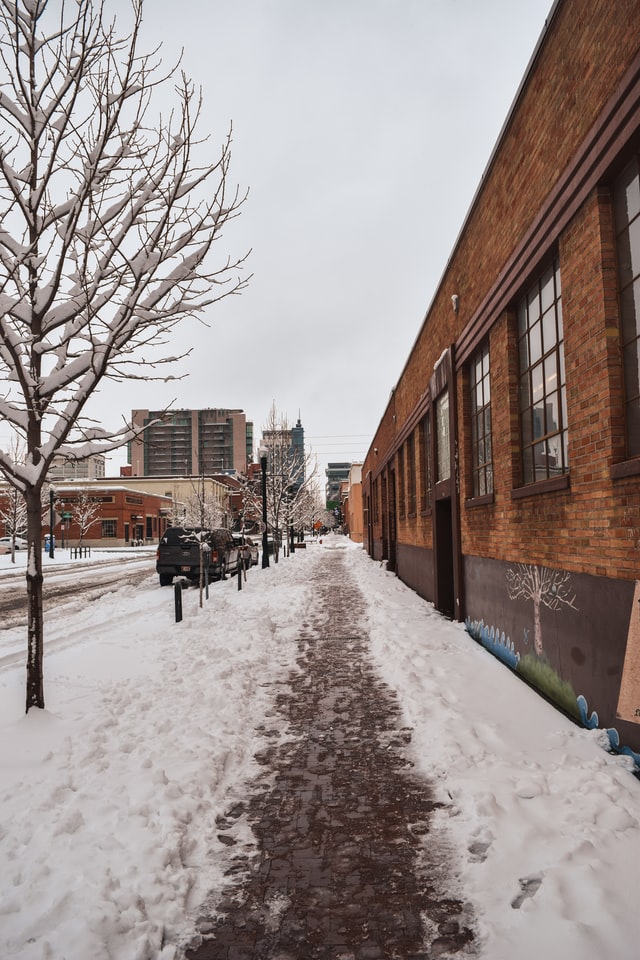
(108, 217)
(86, 512)
(13, 507)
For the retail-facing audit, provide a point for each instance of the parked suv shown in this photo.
(178, 554)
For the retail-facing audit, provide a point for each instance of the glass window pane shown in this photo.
(535, 342)
(540, 460)
(522, 318)
(627, 195)
(444, 453)
(525, 392)
(527, 465)
(553, 413)
(631, 370)
(549, 336)
(633, 428)
(547, 295)
(527, 433)
(538, 420)
(550, 374)
(559, 320)
(537, 383)
(487, 389)
(634, 235)
(524, 353)
(565, 449)
(630, 311)
(533, 306)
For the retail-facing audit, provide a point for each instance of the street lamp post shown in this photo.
(51, 523)
(265, 542)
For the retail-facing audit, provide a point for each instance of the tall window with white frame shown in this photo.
(627, 217)
(481, 447)
(543, 399)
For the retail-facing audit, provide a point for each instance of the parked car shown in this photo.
(178, 554)
(251, 544)
(21, 543)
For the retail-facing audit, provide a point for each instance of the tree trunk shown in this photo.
(537, 626)
(35, 676)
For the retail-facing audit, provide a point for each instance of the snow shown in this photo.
(108, 798)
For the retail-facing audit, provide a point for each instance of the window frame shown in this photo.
(482, 472)
(410, 445)
(400, 481)
(105, 521)
(426, 479)
(542, 389)
(627, 243)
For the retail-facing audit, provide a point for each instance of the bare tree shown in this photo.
(546, 587)
(86, 512)
(13, 507)
(107, 219)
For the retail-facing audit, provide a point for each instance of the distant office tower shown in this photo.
(336, 473)
(190, 442)
(286, 452)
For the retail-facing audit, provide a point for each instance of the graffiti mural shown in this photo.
(546, 588)
(560, 619)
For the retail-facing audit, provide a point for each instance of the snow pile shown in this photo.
(109, 797)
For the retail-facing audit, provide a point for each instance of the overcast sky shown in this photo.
(361, 128)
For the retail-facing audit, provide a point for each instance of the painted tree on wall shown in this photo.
(547, 588)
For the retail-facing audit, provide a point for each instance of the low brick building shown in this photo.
(112, 513)
(503, 482)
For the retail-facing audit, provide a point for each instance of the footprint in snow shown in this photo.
(529, 886)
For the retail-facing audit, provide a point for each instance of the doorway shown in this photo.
(444, 566)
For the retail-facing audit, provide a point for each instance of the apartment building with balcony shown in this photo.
(190, 442)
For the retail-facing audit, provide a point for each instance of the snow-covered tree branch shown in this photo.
(108, 221)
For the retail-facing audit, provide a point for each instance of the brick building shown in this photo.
(114, 513)
(503, 482)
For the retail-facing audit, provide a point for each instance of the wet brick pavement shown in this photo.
(344, 866)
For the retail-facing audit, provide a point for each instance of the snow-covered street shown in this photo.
(109, 797)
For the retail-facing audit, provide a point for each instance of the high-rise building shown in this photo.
(336, 473)
(190, 442)
(286, 451)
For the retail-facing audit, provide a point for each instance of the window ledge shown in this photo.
(628, 468)
(541, 486)
(483, 501)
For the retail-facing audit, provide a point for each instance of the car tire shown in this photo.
(166, 579)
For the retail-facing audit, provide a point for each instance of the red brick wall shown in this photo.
(593, 526)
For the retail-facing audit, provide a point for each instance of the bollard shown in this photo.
(177, 593)
(240, 566)
(206, 582)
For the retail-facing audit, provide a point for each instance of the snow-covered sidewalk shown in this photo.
(108, 798)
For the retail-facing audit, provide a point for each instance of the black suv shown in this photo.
(178, 554)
